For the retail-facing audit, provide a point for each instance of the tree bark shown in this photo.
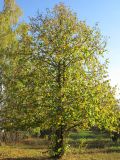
(58, 148)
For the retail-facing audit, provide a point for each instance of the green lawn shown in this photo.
(81, 146)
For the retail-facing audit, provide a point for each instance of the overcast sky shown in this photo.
(104, 12)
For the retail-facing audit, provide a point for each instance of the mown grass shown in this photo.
(81, 146)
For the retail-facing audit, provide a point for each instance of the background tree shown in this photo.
(8, 21)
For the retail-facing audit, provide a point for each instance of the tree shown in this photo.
(57, 77)
(8, 21)
(69, 53)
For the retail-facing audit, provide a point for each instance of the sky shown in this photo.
(104, 12)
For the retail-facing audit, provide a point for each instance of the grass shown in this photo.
(81, 146)
(17, 152)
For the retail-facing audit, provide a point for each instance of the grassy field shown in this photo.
(81, 146)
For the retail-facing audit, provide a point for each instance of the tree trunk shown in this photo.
(58, 138)
(58, 148)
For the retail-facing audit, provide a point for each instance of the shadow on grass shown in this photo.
(102, 151)
(27, 158)
(113, 150)
(97, 146)
(34, 147)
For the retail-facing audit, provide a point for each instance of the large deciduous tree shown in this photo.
(70, 55)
